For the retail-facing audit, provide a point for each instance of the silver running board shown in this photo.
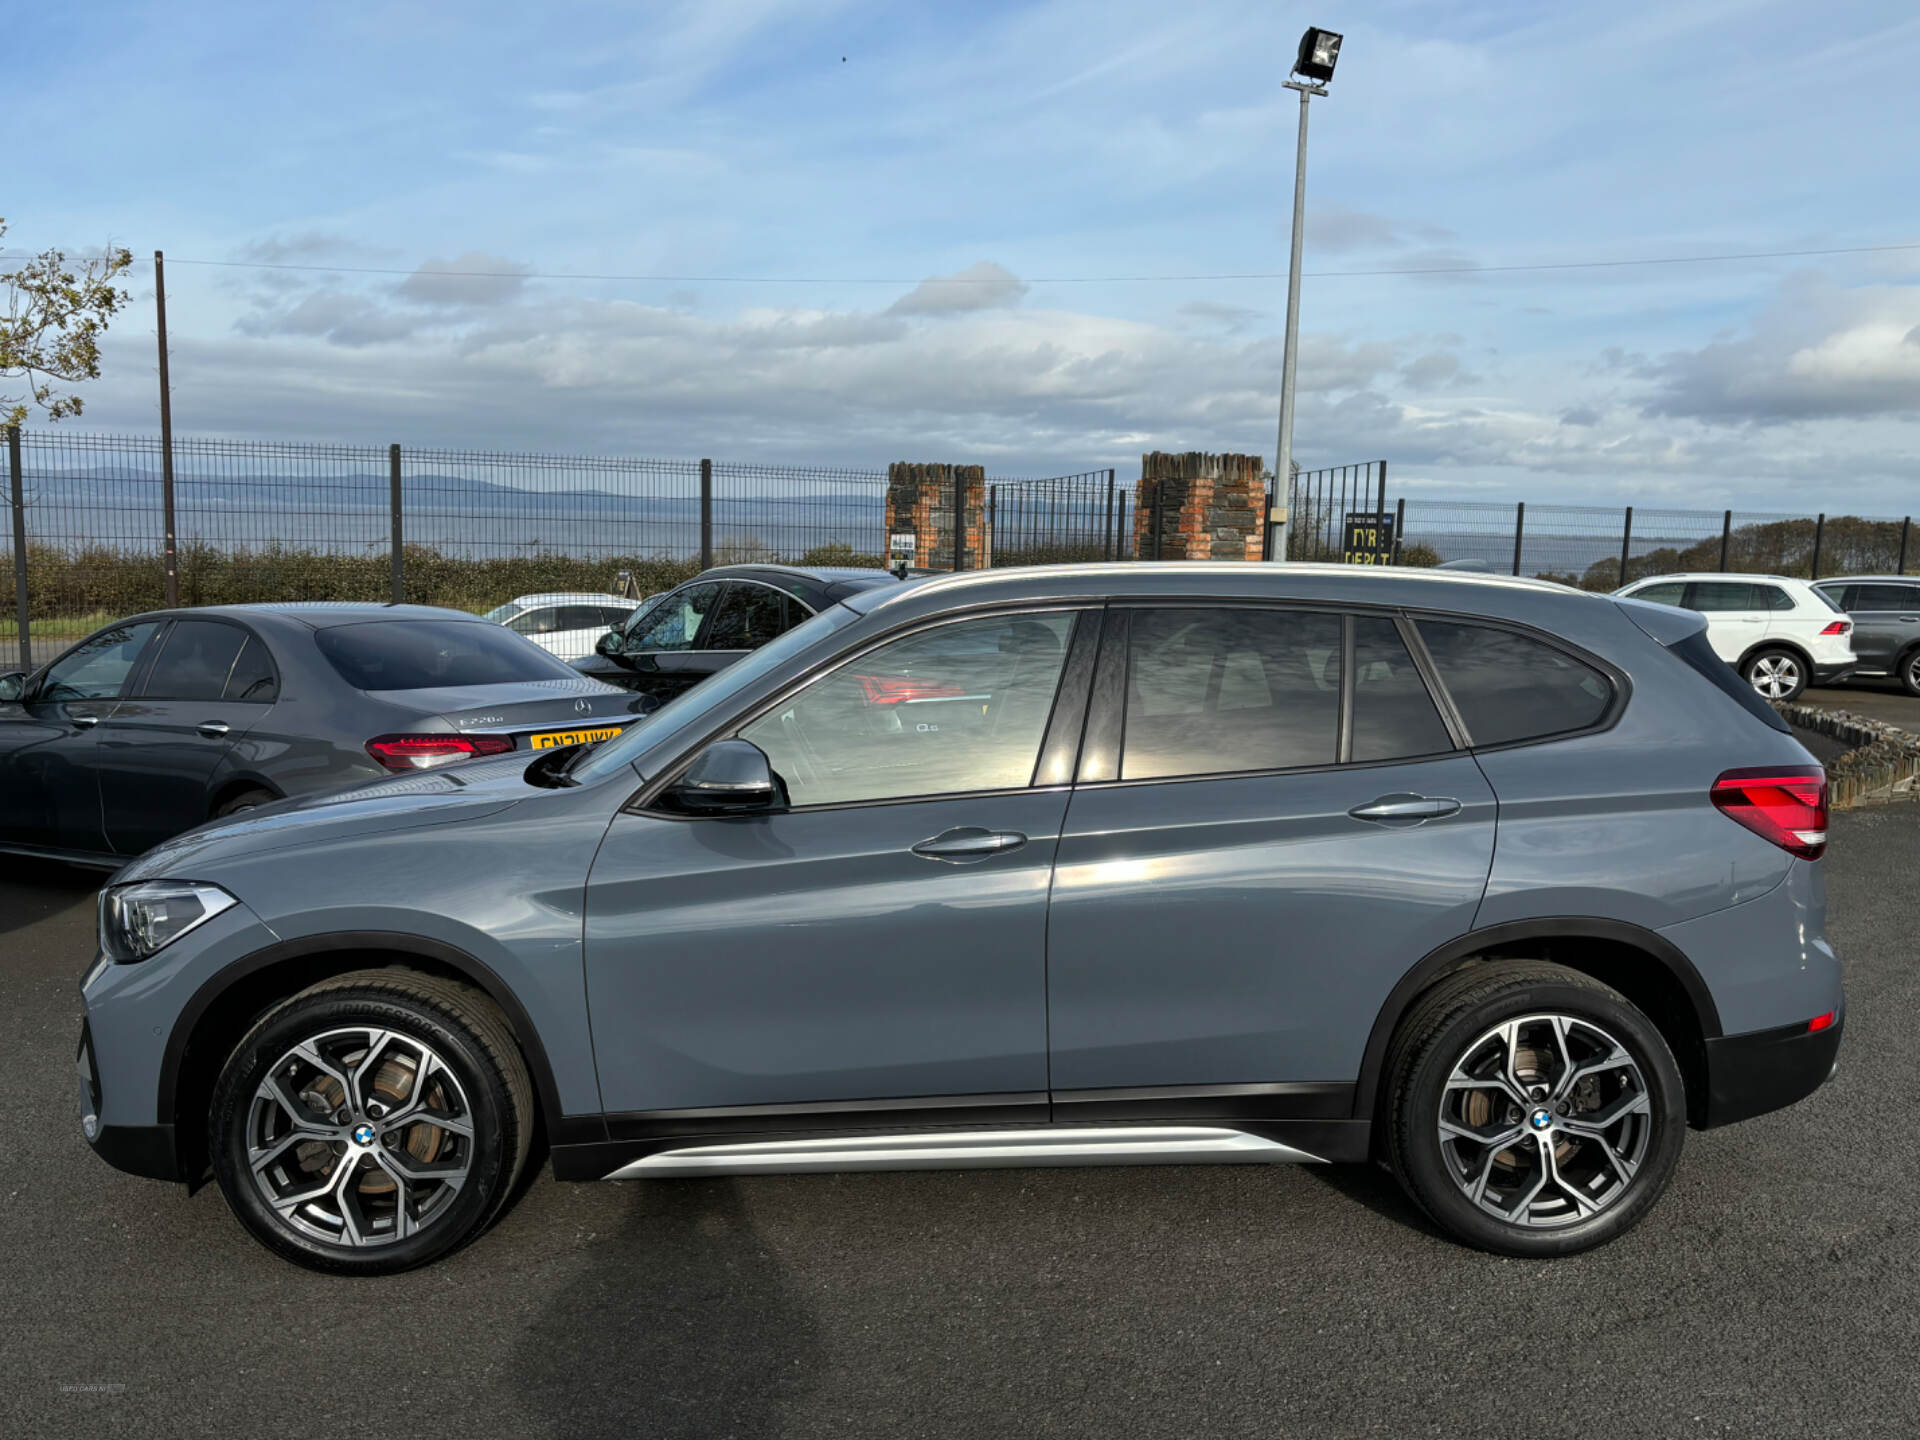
(971, 1149)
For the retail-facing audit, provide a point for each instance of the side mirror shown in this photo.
(13, 685)
(728, 777)
(611, 643)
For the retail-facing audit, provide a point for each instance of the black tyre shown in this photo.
(1775, 673)
(1531, 1110)
(245, 800)
(373, 1122)
(1908, 671)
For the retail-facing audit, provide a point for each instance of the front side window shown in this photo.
(1394, 716)
(1669, 592)
(1511, 687)
(543, 621)
(673, 621)
(194, 661)
(1217, 691)
(429, 654)
(98, 669)
(961, 707)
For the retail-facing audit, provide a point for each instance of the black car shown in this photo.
(676, 640)
(165, 720)
(1885, 610)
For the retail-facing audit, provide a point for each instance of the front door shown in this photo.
(881, 941)
(160, 750)
(662, 655)
(1252, 858)
(49, 779)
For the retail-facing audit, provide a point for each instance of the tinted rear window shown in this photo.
(1393, 715)
(426, 654)
(1511, 687)
(194, 661)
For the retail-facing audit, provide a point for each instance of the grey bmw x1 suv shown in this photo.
(1499, 883)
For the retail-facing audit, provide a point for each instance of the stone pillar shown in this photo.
(920, 500)
(1206, 507)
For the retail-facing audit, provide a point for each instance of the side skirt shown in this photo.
(784, 1153)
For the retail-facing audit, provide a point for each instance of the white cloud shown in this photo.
(474, 278)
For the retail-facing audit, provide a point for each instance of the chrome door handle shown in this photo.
(968, 843)
(85, 722)
(212, 729)
(1405, 809)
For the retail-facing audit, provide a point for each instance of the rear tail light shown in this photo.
(402, 753)
(1838, 627)
(902, 689)
(1786, 805)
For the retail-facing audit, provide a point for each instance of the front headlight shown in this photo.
(140, 919)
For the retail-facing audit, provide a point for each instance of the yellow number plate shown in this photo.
(554, 739)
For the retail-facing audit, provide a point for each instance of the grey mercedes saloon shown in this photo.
(1496, 883)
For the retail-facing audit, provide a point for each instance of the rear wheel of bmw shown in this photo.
(1533, 1110)
(1909, 672)
(372, 1123)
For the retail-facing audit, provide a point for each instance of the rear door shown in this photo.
(1737, 616)
(162, 747)
(750, 614)
(49, 774)
(1272, 825)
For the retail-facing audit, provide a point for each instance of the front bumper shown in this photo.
(1764, 1070)
(137, 1149)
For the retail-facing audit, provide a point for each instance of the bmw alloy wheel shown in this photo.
(360, 1136)
(1545, 1121)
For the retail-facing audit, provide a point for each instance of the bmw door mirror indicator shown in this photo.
(728, 777)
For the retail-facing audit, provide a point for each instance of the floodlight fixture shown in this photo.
(1319, 52)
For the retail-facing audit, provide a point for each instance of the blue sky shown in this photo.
(855, 152)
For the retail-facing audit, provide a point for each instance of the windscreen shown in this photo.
(710, 693)
(500, 614)
(430, 654)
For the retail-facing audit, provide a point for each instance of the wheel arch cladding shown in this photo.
(1792, 647)
(1654, 976)
(220, 1011)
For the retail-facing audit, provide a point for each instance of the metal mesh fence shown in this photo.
(1061, 520)
(260, 521)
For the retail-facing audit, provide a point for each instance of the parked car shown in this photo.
(1885, 610)
(1500, 882)
(164, 720)
(678, 639)
(563, 624)
(1781, 634)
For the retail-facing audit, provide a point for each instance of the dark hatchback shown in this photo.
(165, 720)
(678, 639)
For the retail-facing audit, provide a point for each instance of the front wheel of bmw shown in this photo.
(372, 1123)
(1534, 1111)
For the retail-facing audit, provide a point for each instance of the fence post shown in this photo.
(1726, 538)
(1519, 530)
(992, 527)
(1906, 527)
(19, 545)
(393, 506)
(1399, 526)
(1109, 551)
(172, 554)
(959, 520)
(1819, 534)
(1626, 543)
(1381, 509)
(706, 514)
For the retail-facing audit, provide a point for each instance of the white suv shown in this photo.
(1781, 634)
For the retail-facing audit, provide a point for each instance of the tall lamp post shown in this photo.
(1312, 69)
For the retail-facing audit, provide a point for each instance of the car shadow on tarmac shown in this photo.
(695, 1331)
(31, 890)
(1374, 1187)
